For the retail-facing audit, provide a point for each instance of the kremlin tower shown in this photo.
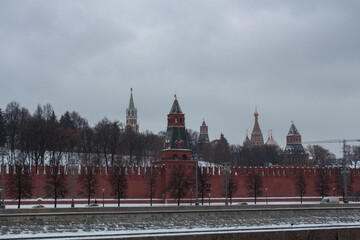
(176, 146)
(256, 135)
(204, 136)
(293, 140)
(131, 115)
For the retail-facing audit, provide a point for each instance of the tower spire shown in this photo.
(131, 114)
(256, 135)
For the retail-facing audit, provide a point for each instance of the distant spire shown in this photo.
(256, 135)
(131, 103)
(247, 132)
(256, 112)
(175, 107)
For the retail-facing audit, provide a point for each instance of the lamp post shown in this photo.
(266, 189)
(190, 196)
(196, 185)
(103, 191)
(334, 191)
(226, 185)
(72, 185)
(2, 204)
(209, 190)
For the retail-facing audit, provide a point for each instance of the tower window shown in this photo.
(175, 157)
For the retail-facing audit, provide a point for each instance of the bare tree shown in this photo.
(12, 118)
(203, 180)
(321, 156)
(222, 154)
(118, 183)
(254, 184)
(19, 183)
(229, 183)
(55, 186)
(89, 183)
(340, 174)
(322, 182)
(355, 155)
(2, 130)
(150, 181)
(179, 183)
(300, 184)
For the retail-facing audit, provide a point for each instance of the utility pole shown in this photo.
(2, 205)
(196, 176)
(226, 186)
(345, 200)
(72, 185)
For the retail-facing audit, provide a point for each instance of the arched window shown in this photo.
(175, 157)
(184, 157)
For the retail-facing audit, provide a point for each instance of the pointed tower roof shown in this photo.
(203, 124)
(131, 103)
(293, 130)
(256, 135)
(256, 124)
(175, 109)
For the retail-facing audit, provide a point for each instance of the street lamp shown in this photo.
(190, 196)
(334, 191)
(72, 185)
(196, 180)
(266, 189)
(226, 184)
(103, 191)
(2, 204)
(209, 190)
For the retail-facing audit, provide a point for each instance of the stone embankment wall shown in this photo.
(170, 219)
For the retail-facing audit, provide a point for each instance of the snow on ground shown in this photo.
(176, 232)
(27, 206)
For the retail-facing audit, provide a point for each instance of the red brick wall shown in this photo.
(278, 180)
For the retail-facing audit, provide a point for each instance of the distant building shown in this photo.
(131, 115)
(204, 135)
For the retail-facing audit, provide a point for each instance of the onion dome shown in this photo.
(271, 141)
(247, 142)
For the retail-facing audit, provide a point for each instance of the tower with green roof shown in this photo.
(176, 145)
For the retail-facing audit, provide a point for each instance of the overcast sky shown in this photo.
(295, 60)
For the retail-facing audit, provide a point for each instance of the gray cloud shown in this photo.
(295, 60)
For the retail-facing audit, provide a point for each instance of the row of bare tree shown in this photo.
(42, 137)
